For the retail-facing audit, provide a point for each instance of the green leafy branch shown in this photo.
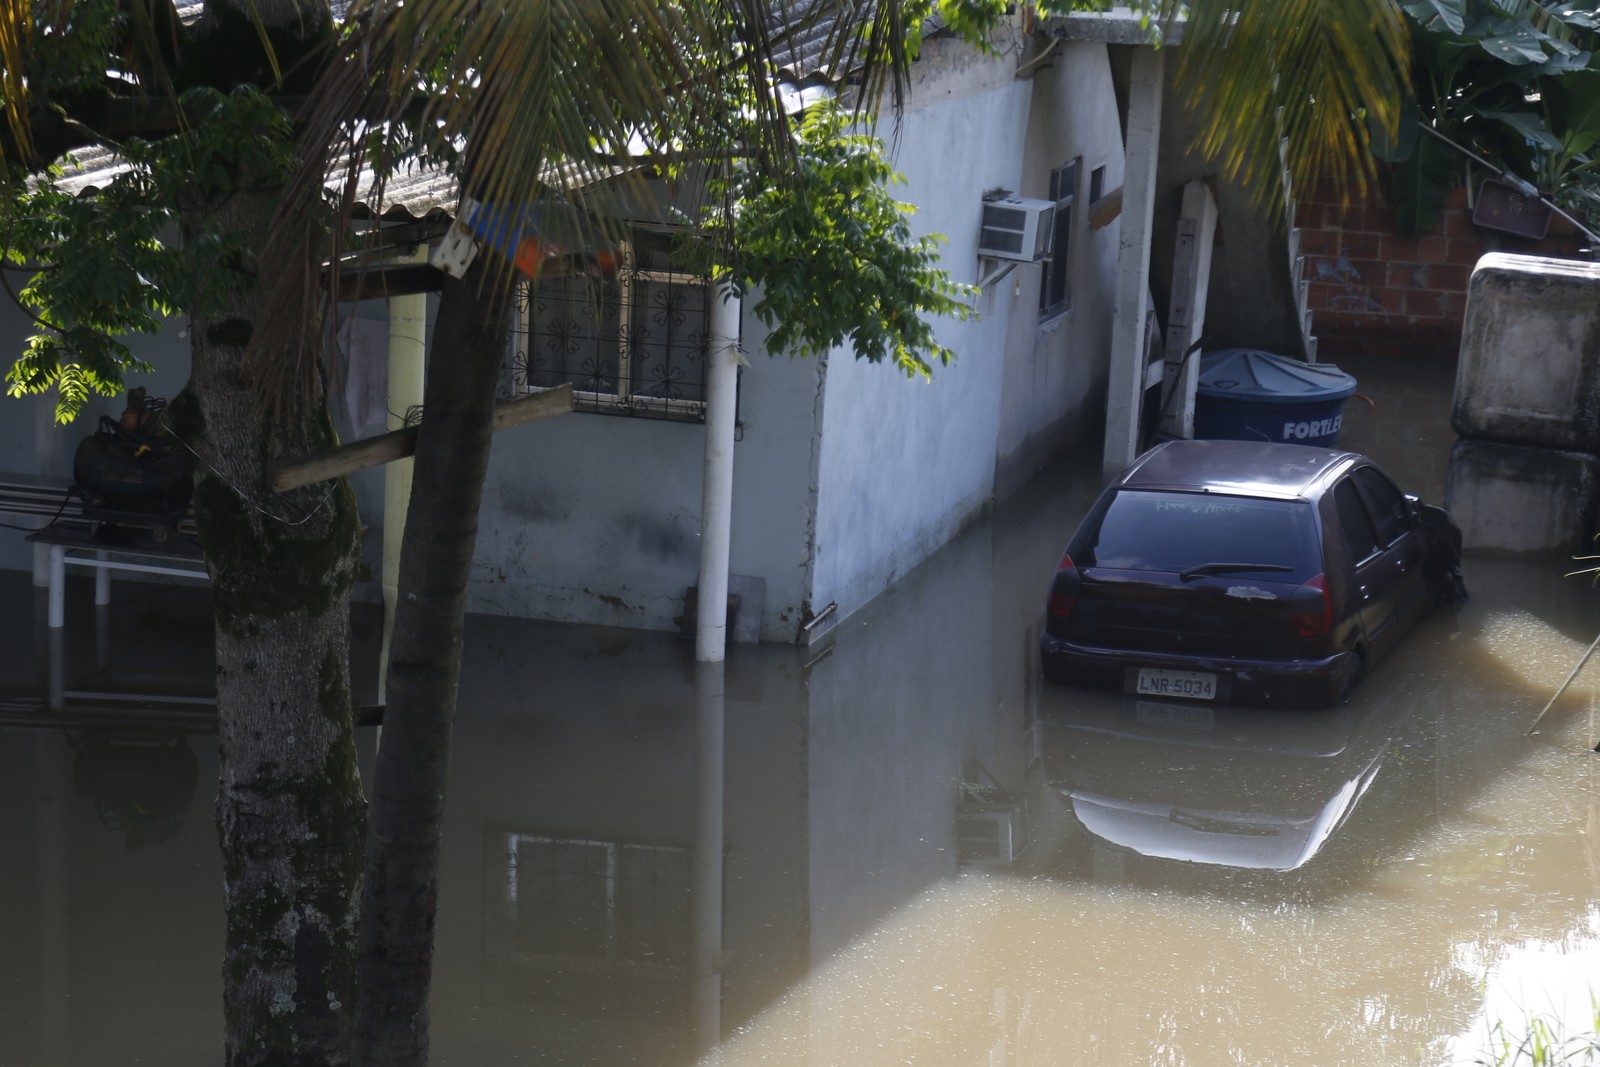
(100, 268)
(831, 256)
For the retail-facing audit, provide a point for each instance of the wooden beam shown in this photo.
(394, 279)
(388, 447)
(1103, 211)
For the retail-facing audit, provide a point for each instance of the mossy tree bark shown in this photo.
(290, 810)
(400, 892)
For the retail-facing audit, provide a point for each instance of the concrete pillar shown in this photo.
(1186, 314)
(1125, 392)
(408, 357)
(716, 512)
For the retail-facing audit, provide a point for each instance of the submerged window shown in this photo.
(633, 344)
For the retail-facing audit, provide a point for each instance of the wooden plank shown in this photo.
(398, 444)
(1105, 210)
(392, 279)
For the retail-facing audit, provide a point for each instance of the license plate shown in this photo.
(1191, 685)
(1175, 716)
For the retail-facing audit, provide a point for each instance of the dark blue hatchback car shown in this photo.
(1249, 572)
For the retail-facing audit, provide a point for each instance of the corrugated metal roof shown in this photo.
(420, 193)
(413, 194)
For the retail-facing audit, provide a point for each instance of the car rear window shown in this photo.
(1155, 531)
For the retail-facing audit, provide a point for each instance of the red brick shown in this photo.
(1401, 246)
(1466, 251)
(1363, 246)
(1432, 249)
(1392, 301)
(1329, 270)
(1458, 224)
(1449, 277)
(1367, 271)
(1456, 199)
(1379, 218)
(1403, 275)
(1422, 304)
(1318, 242)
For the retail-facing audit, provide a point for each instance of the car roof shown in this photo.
(1250, 468)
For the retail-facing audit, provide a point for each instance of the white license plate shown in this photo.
(1191, 685)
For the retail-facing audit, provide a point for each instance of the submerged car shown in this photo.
(1245, 572)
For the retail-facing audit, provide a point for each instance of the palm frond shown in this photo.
(1294, 84)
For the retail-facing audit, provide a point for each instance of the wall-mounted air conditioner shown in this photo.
(1016, 227)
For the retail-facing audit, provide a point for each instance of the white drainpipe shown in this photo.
(716, 512)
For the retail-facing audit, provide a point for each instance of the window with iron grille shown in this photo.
(632, 344)
(1055, 283)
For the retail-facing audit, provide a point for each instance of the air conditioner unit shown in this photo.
(1015, 227)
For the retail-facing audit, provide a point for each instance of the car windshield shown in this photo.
(1203, 533)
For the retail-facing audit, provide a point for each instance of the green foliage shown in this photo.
(1515, 82)
(101, 267)
(833, 255)
(1544, 1042)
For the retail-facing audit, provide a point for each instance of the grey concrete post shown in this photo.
(1125, 392)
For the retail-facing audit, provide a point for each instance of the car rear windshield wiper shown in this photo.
(1221, 568)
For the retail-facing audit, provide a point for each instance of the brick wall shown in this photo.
(1378, 293)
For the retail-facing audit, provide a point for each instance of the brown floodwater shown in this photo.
(897, 846)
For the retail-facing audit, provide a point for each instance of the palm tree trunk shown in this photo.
(399, 901)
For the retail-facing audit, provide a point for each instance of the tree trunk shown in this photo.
(400, 893)
(290, 812)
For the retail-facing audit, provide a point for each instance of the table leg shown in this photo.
(58, 585)
(102, 583)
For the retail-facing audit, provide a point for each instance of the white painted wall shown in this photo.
(595, 518)
(1056, 370)
(904, 465)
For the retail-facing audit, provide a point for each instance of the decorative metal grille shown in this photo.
(635, 344)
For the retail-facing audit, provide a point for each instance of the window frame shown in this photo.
(1055, 275)
(627, 398)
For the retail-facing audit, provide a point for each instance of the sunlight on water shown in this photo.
(1553, 981)
(1530, 648)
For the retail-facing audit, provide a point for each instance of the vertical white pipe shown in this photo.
(716, 512)
(1125, 391)
(706, 889)
(408, 357)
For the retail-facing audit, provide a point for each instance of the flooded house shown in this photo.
(846, 474)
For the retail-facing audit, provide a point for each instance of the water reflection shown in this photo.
(897, 846)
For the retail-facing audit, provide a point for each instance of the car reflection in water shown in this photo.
(1221, 786)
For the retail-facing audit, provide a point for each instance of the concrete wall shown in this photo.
(904, 465)
(1527, 405)
(595, 518)
(1056, 369)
